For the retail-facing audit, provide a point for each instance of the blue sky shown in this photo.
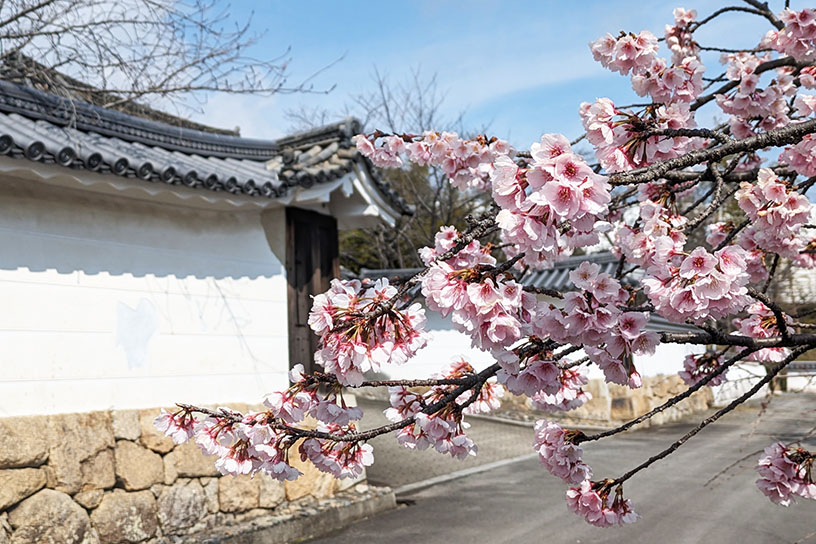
(519, 67)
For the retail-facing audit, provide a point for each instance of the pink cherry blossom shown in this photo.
(697, 367)
(786, 473)
(598, 506)
(353, 343)
(558, 452)
(180, 426)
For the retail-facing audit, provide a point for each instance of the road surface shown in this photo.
(521, 503)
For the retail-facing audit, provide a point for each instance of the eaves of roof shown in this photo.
(42, 127)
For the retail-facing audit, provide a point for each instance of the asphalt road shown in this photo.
(396, 466)
(521, 503)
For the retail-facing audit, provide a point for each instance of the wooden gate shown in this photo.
(312, 260)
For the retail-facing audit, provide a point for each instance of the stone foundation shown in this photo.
(110, 477)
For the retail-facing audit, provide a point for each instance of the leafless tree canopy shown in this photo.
(122, 51)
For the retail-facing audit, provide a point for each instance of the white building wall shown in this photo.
(119, 303)
(447, 344)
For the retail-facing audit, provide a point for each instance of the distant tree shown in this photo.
(119, 52)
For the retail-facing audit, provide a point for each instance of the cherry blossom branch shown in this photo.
(771, 273)
(697, 24)
(691, 133)
(715, 201)
(672, 401)
(330, 379)
(777, 311)
(782, 136)
(766, 12)
(717, 415)
(716, 337)
(732, 234)
(471, 382)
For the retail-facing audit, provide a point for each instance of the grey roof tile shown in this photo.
(42, 127)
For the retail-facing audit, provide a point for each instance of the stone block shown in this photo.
(24, 442)
(124, 517)
(75, 438)
(181, 506)
(5, 529)
(189, 462)
(237, 493)
(89, 499)
(272, 492)
(170, 472)
(137, 467)
(50, 516)
(126, 425)
(210, 486)
(312, 482)
(98, 471)
(150, 436)
(17, 484)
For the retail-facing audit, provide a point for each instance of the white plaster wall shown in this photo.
(117, 303)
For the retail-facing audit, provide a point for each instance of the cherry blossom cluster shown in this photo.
(494, 311)
(761, 323)
(754, 256)
(802, 156)
(360, 329)
(679, 37)
(261, 441)
(553, 205)
(776, 213)
(592, 317)
(678, 81)
(467, 162)
(303, 398)
(338, 458)
(703, 285)
(445, 429)
(550, 386)
(595, 502)
(558, 453)
(656, 238)
(248, 445)
(786, 473)
(753, 109)
(622, 139)
(696, 367)
(798, 38)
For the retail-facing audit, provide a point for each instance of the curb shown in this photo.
(531, 424)
(305, 527)
(418, 486)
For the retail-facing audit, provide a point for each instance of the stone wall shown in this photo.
(110, 477)
(613, 404)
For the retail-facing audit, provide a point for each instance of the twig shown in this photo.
(714, 417)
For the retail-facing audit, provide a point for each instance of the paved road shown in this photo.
(521, 503)
(396, 466)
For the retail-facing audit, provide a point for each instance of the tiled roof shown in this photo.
(42, 127)
(556, 278)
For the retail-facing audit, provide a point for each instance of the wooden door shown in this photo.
(312, 260)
